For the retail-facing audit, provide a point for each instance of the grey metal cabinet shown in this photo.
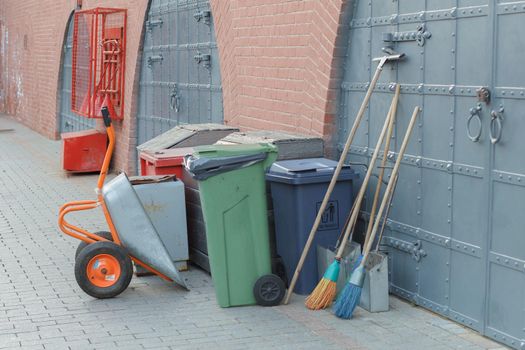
(180, 75)
(456, 241)
(68, 120)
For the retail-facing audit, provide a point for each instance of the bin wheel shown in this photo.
(269, 290)
(82, 244)
(103, 269)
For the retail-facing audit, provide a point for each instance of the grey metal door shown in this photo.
(68, 120)
(180, 77)
(505, 319)
(455, 241)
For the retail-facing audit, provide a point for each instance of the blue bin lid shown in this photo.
(306, 171)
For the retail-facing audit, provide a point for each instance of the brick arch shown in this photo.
(281, 63)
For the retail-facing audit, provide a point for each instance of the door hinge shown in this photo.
(420, 35)
(175, 99)
(153, 59)
(203, 58)
(413, 249)
(153, 23)
(204, 15)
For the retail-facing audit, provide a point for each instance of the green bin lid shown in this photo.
(214, 151)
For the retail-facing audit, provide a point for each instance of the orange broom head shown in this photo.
(324, 293)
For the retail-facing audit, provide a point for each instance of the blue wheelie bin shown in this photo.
(298, 188)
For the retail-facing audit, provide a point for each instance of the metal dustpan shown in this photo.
(135, 230)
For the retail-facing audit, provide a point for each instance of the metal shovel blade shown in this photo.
(135, 230)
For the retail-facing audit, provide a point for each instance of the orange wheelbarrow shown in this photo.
(103, 260)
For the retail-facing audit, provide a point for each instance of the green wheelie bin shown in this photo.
(234, 204)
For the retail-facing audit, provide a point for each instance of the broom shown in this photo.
(357, 121)
(324, 293)
(351, 294)
(393, 109)
(385, 219)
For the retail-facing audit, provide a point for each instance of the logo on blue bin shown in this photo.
(330, 217)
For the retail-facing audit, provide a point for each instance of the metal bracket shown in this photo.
(153, 23)
(153, 59)
(175, 99)
(204, 15)
(203, 58)
(413, 249)
(420, 35)
(483, 94)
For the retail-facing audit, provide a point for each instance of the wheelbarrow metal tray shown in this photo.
(135, 230)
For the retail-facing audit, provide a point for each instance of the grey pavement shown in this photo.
(41, 306)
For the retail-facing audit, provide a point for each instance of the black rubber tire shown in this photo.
(82, 244)
(269, 290)
(110, 248)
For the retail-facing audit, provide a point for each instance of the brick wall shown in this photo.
(280, 64)
(32, 37)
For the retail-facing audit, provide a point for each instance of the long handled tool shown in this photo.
(324, 293)
(383, 164)
(385, 219)
(351, 294)
(382, 60)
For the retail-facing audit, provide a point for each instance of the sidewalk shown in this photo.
(41, 306)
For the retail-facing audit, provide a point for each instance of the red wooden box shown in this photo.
(165, 162)
(83, 151)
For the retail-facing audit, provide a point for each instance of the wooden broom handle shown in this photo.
(393, 110)
(391, 182)
(362, 190)
(331, 186)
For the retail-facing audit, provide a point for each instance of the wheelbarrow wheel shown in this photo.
(82, 244)
(269, 290)
(103, 269)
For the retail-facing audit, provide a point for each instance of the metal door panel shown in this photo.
(379, 106)
(469, 204)
(440, 4)
(435, 201)
(506, 315)
(474, 69)
(437, 127)
(352, 103)
(466, 303)
(510, 44)
(434, 277)
(178, 88)
(438, 53)
(512, 135)
(68, 120)
(360, 56)
(405, 206)
(403, 272)
(383, 8)
(508, 208)
(411, 6)
(468, 3)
